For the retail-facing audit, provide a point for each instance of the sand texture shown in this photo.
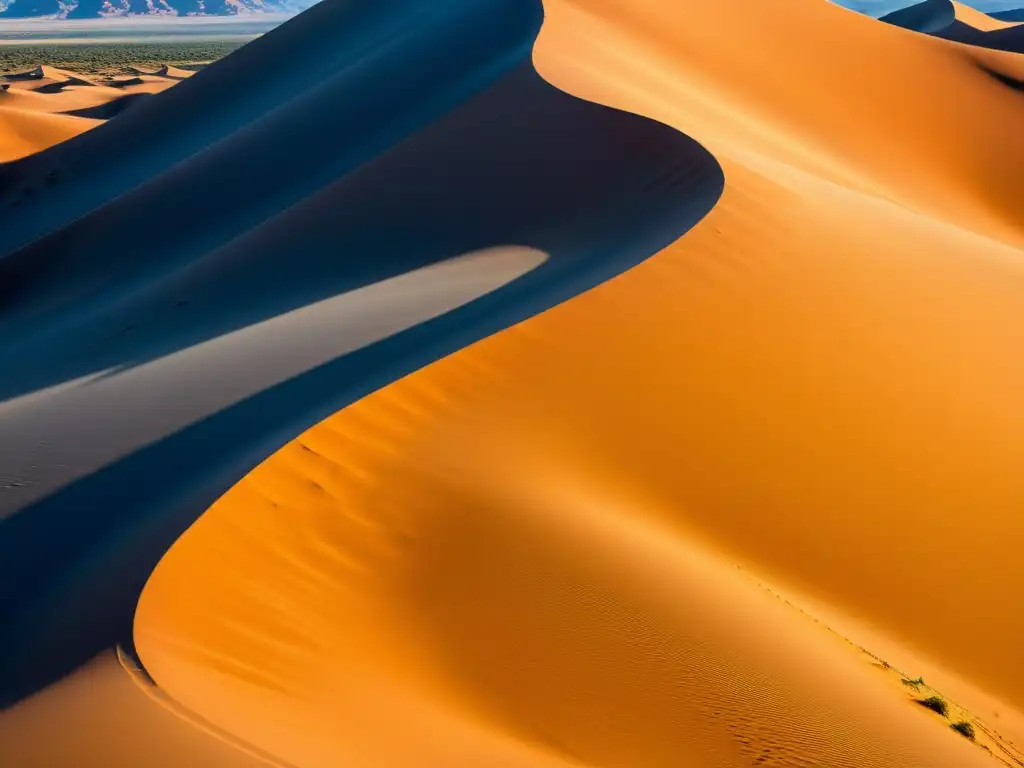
(638, 385)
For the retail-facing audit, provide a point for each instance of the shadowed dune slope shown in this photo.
(68, 100)
(975, 28)
(959, 23)
(176, 73)
(146, 388)
(317, 60)
(112, 108)
(23, 136)
(1011, 15)
(520, 555)
(929, 17)
(845, 97)
(45, 76)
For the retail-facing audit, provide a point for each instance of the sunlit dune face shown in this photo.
(670, 523)
(525, 549)
(865, 105)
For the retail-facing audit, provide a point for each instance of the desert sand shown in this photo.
(975, 28)
(951, 20)
(980, 21)
(73, 103)
(24, 132)
(710, 512)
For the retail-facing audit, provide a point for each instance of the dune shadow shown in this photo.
(1007, 80)
(190, 315)
(938, 18)
(110, 109)
(927, 17)
(1010, 39)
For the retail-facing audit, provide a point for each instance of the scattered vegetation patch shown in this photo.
(936, 704)
(964, 728)
(114, 58)
(915, 684)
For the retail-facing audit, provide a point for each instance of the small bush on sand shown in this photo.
(915, 684)
(964, 728)
(936, 704)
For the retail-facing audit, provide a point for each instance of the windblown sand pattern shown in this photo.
(503, 383)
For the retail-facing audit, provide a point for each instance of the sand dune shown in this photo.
(67, 101)
(772, 384)
(960, 23)
(23, 133)
(112, 108)
(45, 75)
(101, 717)
(69, 96)
(520, 194)
(975, 28)
(616, 533)
(929, 16)
(175, 73)
(980, 21)
(308, 57)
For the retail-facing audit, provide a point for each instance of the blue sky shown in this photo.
(879, 7)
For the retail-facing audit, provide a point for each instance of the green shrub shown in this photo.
(964, 728)
(936, 704)
(915, 684)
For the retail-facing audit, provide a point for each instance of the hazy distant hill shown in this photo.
(1017, 15)
(80, 9)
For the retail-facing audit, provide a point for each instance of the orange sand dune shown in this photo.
(100, 717)
(863, 104)
(144, 83)
(45, 74)
(524, 554)
(960, 23)
(25, 132)
(980, 21)
(408, 229)
(71, 107)
(582, 541)
(175, 73)
(975, 28)
(67, 100)
(453, 619)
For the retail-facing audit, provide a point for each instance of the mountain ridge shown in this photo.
(85, 9)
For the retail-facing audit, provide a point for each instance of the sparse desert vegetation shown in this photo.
(964, 728)
(936, 704)
(114, 58)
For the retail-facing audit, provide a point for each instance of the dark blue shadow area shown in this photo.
(518, 163)
(927, 17)
(390, 52)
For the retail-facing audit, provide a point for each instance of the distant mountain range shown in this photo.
(84, 9)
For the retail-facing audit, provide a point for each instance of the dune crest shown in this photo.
(959, 23)
(540, 566)
(55, 91)
(928, 16)
(717, 511)
(975, 28)
(489, 197)
(23, 133)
